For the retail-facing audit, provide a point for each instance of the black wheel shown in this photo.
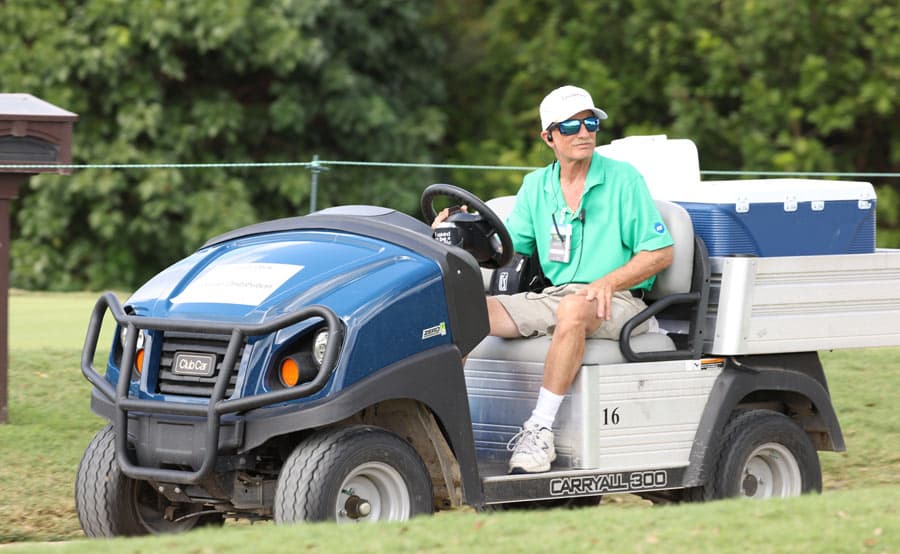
(110, 504)
(350, 475)
(764, 454)
(486, 236)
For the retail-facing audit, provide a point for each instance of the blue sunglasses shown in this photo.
(572, 126)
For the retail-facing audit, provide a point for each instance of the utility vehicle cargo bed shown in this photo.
(803, 303)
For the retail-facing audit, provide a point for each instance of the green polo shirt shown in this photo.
(620, 219)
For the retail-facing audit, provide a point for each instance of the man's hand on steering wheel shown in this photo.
(447, 212)
(489, 241)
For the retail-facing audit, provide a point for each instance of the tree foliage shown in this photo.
(232, 81)
(760, 85)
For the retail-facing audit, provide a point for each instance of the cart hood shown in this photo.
(255, 278)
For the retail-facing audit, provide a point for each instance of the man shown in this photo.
(600, 241)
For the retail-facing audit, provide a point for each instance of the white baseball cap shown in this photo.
(564, 102)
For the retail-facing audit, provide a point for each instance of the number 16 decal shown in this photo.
(611, 417)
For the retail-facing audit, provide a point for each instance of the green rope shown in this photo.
(156, 166)
(800, 173)
(435, 166)
(322, 165)
(317, 165)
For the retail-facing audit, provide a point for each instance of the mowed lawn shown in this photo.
(50, 423)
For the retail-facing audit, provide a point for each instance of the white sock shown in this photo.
(544, 413)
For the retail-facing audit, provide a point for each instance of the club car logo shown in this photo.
(197, 365)
(436, 331)
(608, 482)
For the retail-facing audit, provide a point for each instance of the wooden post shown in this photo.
(9, 189)
(32, 132)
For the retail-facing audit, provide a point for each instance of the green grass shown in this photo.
(51, 423)
(866, 520)
(865, 386)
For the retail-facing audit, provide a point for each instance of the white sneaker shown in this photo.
(532, 449)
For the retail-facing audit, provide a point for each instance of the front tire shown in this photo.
(111, 504)
(351, 475)
(764, 454)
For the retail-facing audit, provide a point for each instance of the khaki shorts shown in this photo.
(534, 313)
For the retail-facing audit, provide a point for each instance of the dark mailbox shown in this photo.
(32, 133)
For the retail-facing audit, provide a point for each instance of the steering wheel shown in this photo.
(484, 227)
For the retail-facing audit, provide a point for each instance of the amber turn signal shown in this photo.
(290, 372)
(139, 361)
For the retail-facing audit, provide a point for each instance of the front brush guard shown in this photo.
(217, 405)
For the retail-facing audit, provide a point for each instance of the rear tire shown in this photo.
(110, 504)
(764, 454)
(352, 474)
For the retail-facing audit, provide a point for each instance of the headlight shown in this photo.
(320, 344)
(138, 350)
(140, 338)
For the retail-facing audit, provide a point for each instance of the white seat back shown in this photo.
(502, 205)
(677, 277)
